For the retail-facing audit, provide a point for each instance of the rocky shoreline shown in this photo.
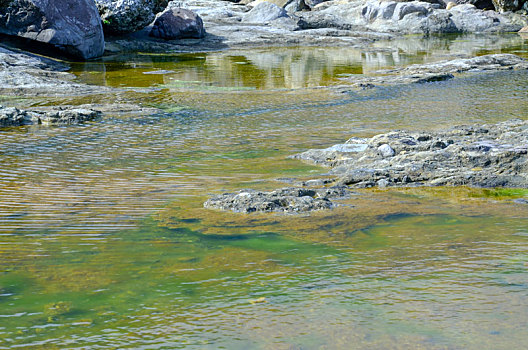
(92, 29)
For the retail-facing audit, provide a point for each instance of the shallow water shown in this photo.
(104, 242)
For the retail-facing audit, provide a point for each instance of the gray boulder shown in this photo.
(264, 12)
(178, 24)
(127, 16)
(72, 26)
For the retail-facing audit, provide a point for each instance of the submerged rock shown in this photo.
(177, 23)
(288, 200)
(494, 155)
(72, 26)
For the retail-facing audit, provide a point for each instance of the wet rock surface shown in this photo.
(491, 155)
(287, 200)
(11, 116)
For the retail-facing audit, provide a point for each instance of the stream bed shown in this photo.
(105, 244)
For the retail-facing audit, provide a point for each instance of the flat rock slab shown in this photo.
(28, 75)
(286, 200)
(439, 71)
(490, 155)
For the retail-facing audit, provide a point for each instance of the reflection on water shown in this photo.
(290, 68)
(104, 242)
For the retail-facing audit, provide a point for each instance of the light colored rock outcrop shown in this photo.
(411, 18)
(264, 12)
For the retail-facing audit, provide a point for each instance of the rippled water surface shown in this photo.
(104, 242)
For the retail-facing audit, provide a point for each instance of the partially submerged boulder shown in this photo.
(11, 116)
(177, 23)
(127, 16)
(72, 26)
(287, 200)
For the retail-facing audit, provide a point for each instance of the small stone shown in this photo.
(382, 183)
(520, 201)
(386, 151)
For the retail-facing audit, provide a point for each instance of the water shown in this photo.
(104, 242)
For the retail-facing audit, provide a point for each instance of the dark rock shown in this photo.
(480, 4)
(178, 23)
(127, 16)
(10, 116)
(72, 26)
(289, 200)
